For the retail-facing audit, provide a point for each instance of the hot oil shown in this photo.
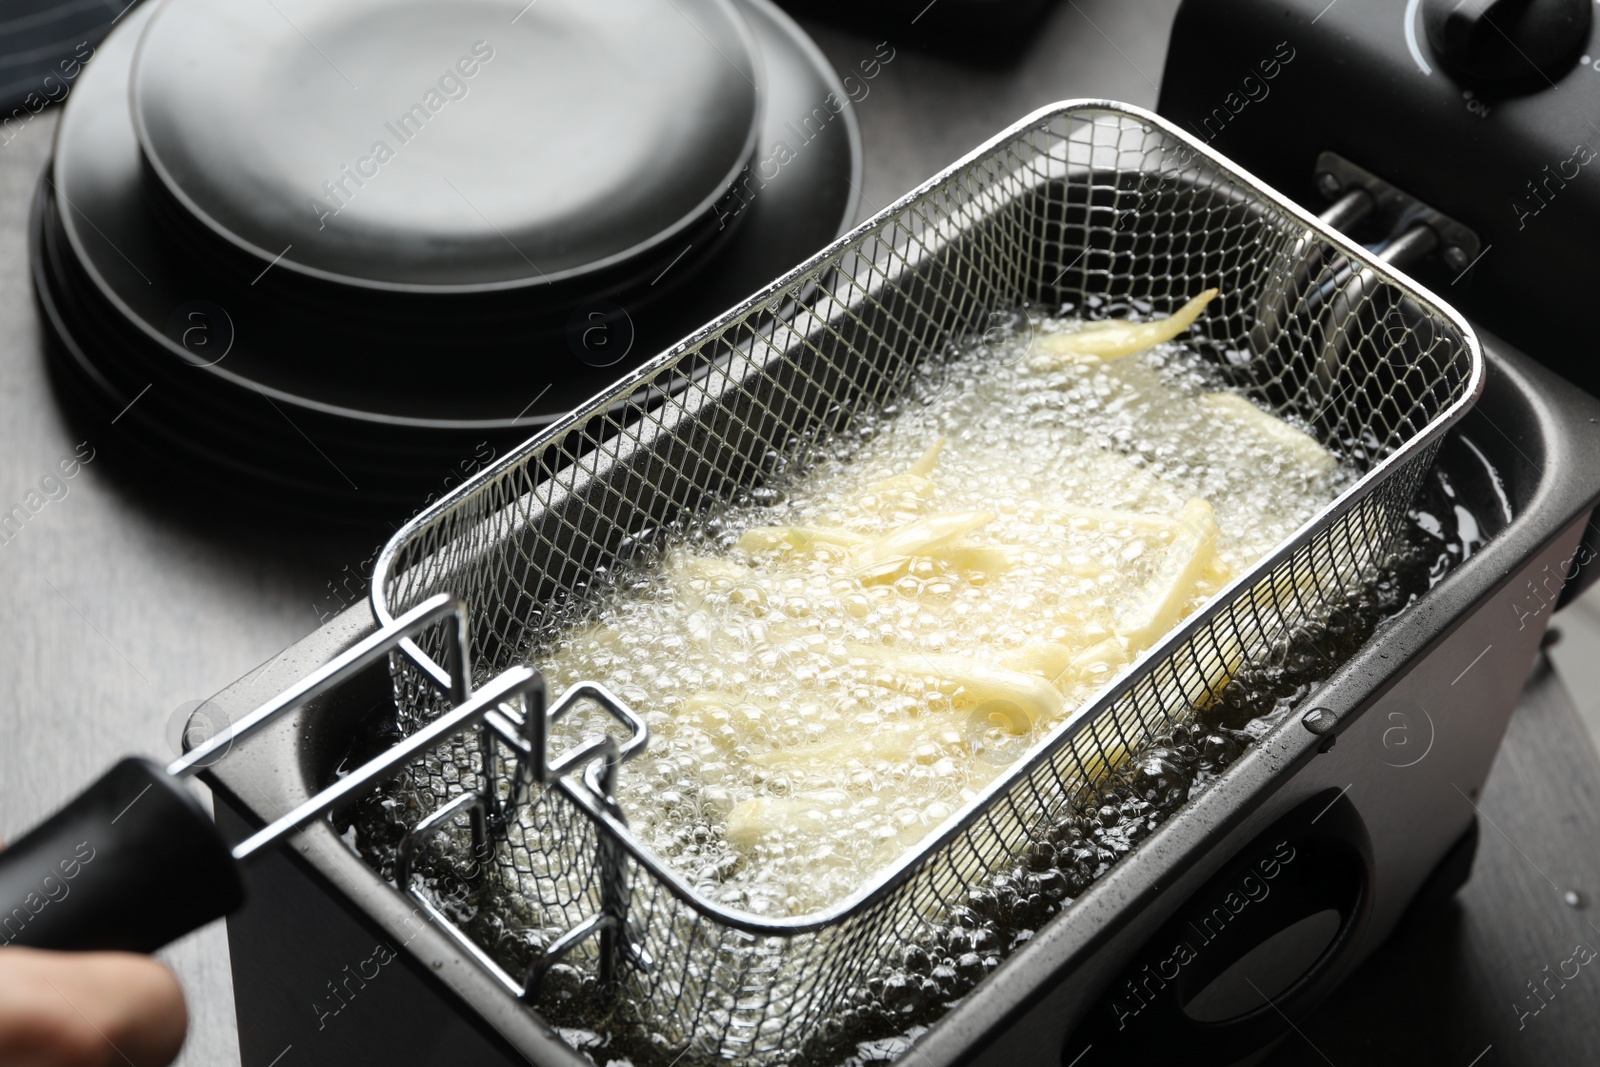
(810, 716)
(1013, 436)
(1445, 526)
(904, 1000)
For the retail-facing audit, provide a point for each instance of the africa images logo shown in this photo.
(1141, 990)
(343, 188)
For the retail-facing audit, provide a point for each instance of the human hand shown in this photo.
(88, 1009)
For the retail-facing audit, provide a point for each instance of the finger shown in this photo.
(91, 1009)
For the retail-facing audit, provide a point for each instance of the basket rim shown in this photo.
(893, 875)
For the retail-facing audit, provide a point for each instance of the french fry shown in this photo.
(837, 752)
(1095, 341)
(887, 556)
(1144, 620)
(799, 538)
(1052, 659)
(1098, 661)
(1303, 449)
(707, 568)
(697, 578)
(915, 481)
(923, 467)
(973, 681)
(725, 717)
(990, 559)
(905, 490)
(751, 820)
(1138, 483)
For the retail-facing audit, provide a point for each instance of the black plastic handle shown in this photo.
(131, 863)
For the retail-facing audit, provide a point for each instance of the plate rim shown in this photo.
(788, 32)
(544, 280)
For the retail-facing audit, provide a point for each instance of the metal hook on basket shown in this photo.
(527, 731)
(405, 852)
(1350, 313)
(1312, 271)
(482, 806)
(1331, 298)
(601, 923)
(599, 776)
(525, 728)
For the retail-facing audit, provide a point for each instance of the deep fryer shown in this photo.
(1374, 863)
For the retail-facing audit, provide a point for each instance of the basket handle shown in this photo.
(134, 861)
(131, 863)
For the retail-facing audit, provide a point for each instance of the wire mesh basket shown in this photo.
(1079, 200)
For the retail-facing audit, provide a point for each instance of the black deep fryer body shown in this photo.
(1271, 84)
(328, 959)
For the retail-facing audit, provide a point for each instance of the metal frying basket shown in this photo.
(1079, 200)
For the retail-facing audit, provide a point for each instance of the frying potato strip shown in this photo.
(1243, 416)
(888, 555)
(1145, 620)
(1111, 339)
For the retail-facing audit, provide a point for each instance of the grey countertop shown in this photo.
(122, 609)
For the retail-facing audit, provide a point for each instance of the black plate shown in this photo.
(295, 394)
(475, 145)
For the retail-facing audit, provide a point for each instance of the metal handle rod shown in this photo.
(403, 855)
(1410, 246)
(527, 733)
(507, 685)
(358, 656)
(1313, 271)
(1348, 209)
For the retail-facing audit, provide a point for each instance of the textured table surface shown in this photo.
(122, 608)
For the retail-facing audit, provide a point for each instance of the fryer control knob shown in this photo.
(1507, 40)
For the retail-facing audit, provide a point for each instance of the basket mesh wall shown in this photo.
(1086, 200)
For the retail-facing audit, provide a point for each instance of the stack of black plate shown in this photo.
(342, 250)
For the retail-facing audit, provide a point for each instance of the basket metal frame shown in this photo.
(795, 287)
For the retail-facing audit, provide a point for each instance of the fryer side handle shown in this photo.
(1315, 861)
(132, 863)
